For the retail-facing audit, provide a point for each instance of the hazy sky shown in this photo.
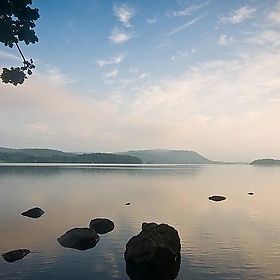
(119, 75)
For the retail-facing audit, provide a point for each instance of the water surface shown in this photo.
(238, 238)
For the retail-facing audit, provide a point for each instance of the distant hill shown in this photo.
(168, 156)
(36, 152)
(8, 155)
(267, 161)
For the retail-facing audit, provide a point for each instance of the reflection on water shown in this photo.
(238, 238)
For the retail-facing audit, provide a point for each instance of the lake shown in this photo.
(238, 238)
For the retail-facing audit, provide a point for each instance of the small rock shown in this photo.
(250, 193)
(102, 225)
(217, 198)
(35, 213)
(79, 238)
(15, 255)
(128, 203)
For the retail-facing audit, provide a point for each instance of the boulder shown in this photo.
(79, 238)
(35, 212)
(154, 253)
(102, 225)
(217, 198)
(15, 255)
(155, 244)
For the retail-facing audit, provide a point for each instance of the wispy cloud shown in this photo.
(118, 36)
(124, 14)
(54, 74)
(111, 61)
(8, 55)
(216, 98)
(184, 26)
(274, 16)
(238, 15)
(152, 20)
(268, 37)
(188, 10)
(225, 40)
(112, 73)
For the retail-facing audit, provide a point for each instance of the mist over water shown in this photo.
(238, 238)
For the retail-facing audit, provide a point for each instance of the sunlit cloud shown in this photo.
(118, 36)
(124, 14)
(184, 26)
(238, 15)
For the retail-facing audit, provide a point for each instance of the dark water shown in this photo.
(238, 238)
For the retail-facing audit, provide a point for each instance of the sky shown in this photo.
(130, 75)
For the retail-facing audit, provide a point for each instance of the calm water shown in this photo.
(238, 238)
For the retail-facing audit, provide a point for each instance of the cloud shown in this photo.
(111, 61)
(188, 10)
(124, 14)
(54, 74)
(111, 73)
(152, 20)
(274, 16)
(205, 109)
(225, 40)
(117, 36)
(268, 37)
(238, 15)
(184, 26)
(10, 56)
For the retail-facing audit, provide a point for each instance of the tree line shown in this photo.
(79, 158)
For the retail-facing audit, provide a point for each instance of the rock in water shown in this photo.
(79, 238)
(15, 255)
(217, 198)
(102, 225)
(157, 244)
(154, 253)
(35, 212)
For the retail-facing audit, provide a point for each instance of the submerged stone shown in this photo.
(102, 225)
(217, 198)
(79, 238)
(35, 213)
(15, 255)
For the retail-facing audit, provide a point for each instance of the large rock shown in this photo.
(35, 212)
(15, 255)
(79, 238)
(102, 225)
(156, 244)
(154, 253)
